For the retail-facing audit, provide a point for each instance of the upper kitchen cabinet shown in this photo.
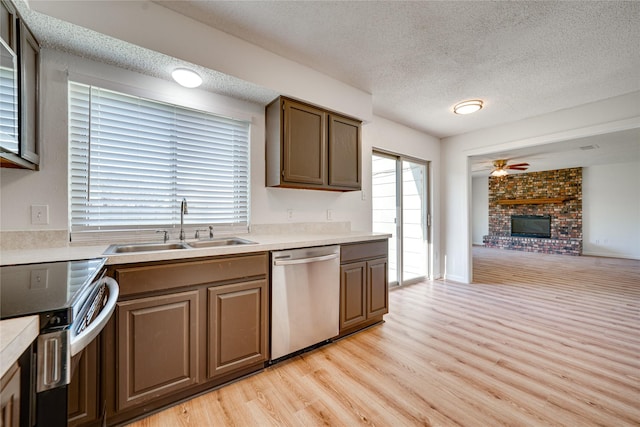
(19, 76)
(8, 19)
(312, 148)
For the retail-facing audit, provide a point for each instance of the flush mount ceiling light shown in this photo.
(186, 77)
(468, 107)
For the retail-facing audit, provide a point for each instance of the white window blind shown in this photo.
(132, 160)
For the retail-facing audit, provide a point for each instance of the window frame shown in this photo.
(134, 232)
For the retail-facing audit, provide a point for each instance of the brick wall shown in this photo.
(566, 217)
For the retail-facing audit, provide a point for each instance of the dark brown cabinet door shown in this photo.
(344, 152)
(8, 19)
(82, 405)
(28, 94)
(353, 308)
(156, 347)
(237, 326)
(304, 144)
(10, 397)
(21, 149)
(377, 288)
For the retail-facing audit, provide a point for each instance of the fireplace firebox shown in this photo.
(531, 226)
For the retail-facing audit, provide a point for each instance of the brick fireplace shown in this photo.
(556, 193)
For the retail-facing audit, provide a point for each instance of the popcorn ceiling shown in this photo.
(64, 36)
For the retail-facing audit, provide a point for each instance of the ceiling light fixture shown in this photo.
(468, 107)
(499, 172)
(186, 77)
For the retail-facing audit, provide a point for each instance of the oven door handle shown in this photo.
(79, 342)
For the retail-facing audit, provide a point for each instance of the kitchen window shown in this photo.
(132, 160)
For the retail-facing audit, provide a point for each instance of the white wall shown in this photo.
(596, 118)
(480, 209)
(21, 189)
(611, 210)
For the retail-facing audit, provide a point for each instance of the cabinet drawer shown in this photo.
(148, 278)
(364, 250)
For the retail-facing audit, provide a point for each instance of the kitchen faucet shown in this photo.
(183, 210)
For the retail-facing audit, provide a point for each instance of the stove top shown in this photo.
(45, 288)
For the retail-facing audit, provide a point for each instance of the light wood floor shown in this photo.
(536, 340)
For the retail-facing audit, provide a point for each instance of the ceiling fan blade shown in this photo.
(518, 168)
(517, 165)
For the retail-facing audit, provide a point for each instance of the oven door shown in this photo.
(56, 349)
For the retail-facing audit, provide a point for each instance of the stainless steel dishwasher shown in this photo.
(305, 298)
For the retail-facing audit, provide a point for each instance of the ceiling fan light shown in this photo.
(499, 173)
(468, 107)
(186, 77)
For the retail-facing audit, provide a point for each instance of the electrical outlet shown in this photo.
(39, 214)
(329, 215)
(289, 214)
(39, 279)
(363, 195)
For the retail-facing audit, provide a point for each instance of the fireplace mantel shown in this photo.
(549, 200)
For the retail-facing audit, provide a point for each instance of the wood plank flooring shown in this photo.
(536, 340)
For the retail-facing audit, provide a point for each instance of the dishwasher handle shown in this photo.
(305, 260)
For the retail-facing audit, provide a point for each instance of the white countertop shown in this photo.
(15, 337)
(264, 242)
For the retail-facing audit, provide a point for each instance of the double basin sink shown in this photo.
(148, 247)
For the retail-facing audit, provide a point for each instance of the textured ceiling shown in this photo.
(419, 58)
(612, 148)
(61, 35)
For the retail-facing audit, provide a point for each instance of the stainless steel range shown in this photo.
(74, 300)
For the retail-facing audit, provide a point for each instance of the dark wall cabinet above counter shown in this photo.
(20, 52)
(312, 148)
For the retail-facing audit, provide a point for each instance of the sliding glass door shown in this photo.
(400, 207)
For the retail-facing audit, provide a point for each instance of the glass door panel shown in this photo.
(414, 221)
(384, 206)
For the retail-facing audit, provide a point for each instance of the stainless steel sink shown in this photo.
(223, 241)
(144, 247)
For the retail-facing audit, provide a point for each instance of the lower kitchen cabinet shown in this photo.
(157, 347)
(237, 326)
(364, 285)
(83, 393)
(181, 328)
(10, 397)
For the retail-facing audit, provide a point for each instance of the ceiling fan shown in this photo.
(500, 167)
